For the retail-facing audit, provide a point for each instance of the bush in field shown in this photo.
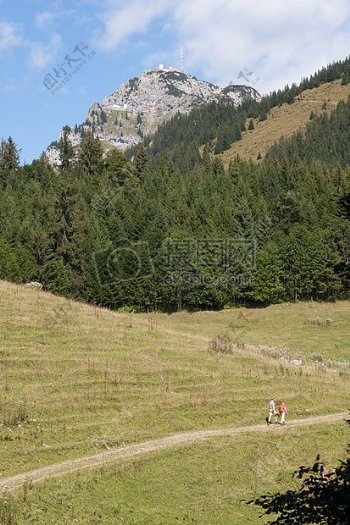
(221, 344)
(323, 498)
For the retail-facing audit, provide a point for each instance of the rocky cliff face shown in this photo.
(142, 103)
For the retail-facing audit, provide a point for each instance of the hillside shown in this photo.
(284, 120)
(213, 130)
(78, 380)
(149, 236)
(168, 230)
(141, 104)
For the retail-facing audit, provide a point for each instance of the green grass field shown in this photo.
(76, 380)
(205, 483)
(309, 329)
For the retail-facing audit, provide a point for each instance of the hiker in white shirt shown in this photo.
(272, 410)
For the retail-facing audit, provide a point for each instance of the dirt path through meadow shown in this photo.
(127, 452)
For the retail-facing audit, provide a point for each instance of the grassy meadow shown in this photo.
(208, 483)
(76, 380)
(310, 330)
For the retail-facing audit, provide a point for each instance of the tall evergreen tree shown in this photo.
(90, 155)
(117, 167)
(66, 151)
(141, 162)
(9, 156)
(267, 285)
(62, 263)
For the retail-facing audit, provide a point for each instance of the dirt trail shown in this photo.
(126, 452)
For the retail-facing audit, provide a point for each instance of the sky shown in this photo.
(266, 44)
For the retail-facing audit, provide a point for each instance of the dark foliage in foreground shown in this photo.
(323, 498)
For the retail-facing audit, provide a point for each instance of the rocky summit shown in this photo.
(142, 103)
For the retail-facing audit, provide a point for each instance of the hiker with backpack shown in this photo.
(282, 409)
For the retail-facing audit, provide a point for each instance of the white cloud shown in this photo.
(123, 19)
(44, 19)
(42, 55)
(9, 35)
(279, 41)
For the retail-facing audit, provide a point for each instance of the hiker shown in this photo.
(282, 409)
(272, 410)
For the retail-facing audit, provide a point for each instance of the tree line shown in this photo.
(150, 235)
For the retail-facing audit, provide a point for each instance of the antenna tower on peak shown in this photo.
(181, 59)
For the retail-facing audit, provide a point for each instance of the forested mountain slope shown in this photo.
(140, 104)
(283, 121)
(250, 129)
(156, 233)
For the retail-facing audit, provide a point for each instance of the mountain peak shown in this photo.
(141, 103)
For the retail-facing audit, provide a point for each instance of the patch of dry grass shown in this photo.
(286, 120)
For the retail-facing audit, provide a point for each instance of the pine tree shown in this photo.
(224, 140)
(63, 233)
(9, 265)
(66, 151)
(117, 167)
(9, 156)
(267, 284)
(57, 278)
(62, 258)
(141, 162)
(90, 155)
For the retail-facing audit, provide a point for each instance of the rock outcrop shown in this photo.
(142, 103)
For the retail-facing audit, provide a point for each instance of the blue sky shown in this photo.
(279, 41)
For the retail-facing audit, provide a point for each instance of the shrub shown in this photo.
(221, 344)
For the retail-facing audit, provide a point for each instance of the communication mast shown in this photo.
(181, 59)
